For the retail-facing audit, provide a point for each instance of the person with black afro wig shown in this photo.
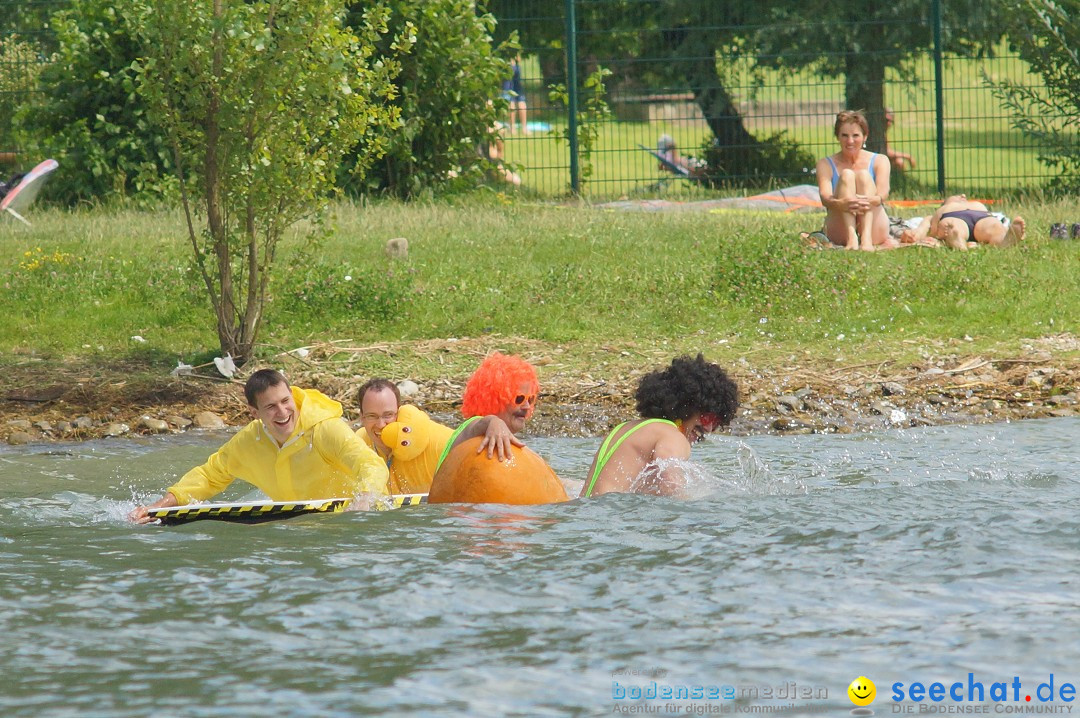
(679, 405)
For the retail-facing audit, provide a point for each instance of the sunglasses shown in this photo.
(522, 398)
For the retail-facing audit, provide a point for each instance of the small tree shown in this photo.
(1047, 34)
(259, 99)
(589, 119)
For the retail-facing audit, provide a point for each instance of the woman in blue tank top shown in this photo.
(854, 184)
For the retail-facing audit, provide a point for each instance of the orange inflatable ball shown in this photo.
(467, 477)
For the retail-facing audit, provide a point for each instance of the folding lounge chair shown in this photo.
(24, 193)
(667, 164)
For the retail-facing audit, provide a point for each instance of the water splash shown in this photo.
(691, 480)
(758, 480)
(67, 508)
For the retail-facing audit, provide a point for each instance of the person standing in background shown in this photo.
(513, 91)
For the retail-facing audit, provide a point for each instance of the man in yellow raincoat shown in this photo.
(297, 448)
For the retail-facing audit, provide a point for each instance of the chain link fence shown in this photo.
(25, 43)
(707, 95)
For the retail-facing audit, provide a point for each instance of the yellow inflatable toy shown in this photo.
(406, 438)
(415, 443)
(467, 477)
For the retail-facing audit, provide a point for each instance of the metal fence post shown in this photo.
(572, 94)
(939, 96)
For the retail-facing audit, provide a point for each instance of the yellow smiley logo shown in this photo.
(862, 691)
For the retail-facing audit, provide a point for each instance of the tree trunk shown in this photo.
(864, 83)
(249, 328)
(736, 151)
(226, 305)
(716, 104)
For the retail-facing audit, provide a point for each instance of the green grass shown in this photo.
(733, 284)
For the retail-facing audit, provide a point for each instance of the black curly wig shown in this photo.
(688, 386)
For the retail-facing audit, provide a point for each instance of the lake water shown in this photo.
(802, 563)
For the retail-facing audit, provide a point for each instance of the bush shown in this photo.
(443, 91)
(88, 115)
(761, 164)
(20, 66)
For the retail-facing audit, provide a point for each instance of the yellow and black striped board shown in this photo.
(399, 500)
(256, 512)
(249, 512)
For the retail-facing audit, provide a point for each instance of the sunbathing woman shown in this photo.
(853, 184)
(960, 223)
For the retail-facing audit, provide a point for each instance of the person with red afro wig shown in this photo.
(496, 383)
(499, 398)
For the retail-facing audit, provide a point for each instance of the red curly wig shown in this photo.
(495, 384)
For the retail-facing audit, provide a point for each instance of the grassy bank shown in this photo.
(79, 285)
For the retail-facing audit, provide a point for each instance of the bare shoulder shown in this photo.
(645, 436)
(882, 165)
(670, 443)
(653, 428)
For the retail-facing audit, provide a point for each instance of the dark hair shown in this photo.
(855, 116)
(377, 385)
(688, 386)
(259, 382)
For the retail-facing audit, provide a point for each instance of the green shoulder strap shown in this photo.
(605, 452)
(452, 439)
